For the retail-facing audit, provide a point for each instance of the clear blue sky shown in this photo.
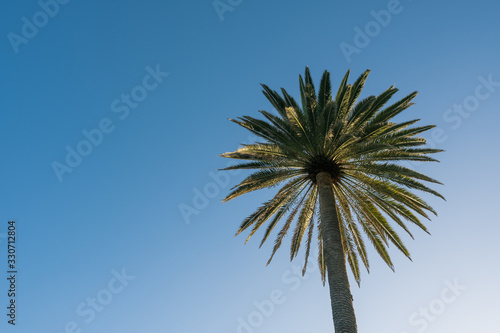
(144, 90)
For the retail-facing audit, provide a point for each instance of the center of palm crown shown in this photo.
(323, 164)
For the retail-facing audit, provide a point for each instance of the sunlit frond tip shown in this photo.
(356, 142)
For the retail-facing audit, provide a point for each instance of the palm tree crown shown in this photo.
(359, 150)
(339, 160)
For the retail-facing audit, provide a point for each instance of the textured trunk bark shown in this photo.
(344, 319)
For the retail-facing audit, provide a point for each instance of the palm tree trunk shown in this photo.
(344, 319)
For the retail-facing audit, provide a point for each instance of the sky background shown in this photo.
(118, 212)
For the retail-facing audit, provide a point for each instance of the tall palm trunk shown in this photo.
(340, 294)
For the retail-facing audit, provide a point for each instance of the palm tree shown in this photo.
(341, 164)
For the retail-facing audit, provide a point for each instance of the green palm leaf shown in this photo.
(338, 162)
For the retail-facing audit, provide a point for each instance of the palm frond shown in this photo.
(358, 143)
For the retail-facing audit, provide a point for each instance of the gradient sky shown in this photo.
(117, 211)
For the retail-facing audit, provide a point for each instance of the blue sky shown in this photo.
(141, 91)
